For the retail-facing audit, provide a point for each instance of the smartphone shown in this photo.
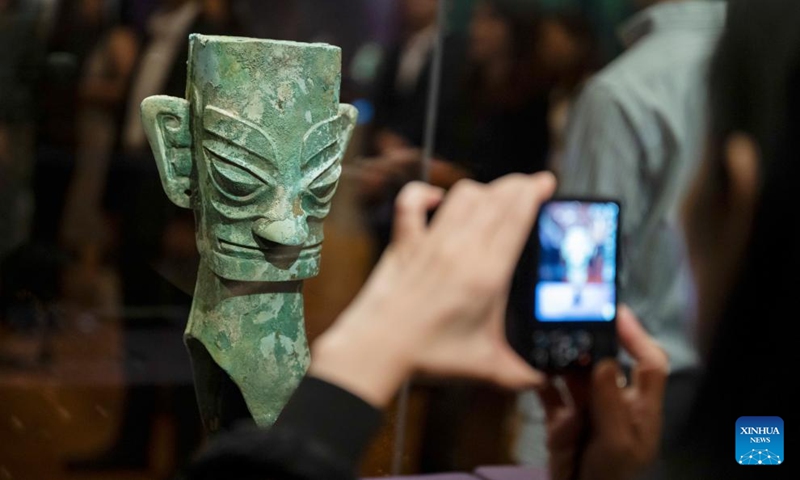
(565, 289)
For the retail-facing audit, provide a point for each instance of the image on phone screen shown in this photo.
(576, 278)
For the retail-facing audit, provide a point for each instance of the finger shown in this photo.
(608, 407)
(490, 362)
(518, 201)
(563, 436)
(512, 372)
(411, 210)
(457, 208)
(486, 230)
(579, 387)
(651, 383)
(635, 339)
(563, 430)
(652, 369)
(552, 400)
(521, 190)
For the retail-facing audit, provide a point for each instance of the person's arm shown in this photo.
(434, 304)
(321, 434)
(603, 152)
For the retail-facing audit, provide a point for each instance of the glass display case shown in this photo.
(98, 266)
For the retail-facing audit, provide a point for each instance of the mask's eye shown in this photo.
(324, 186)
(324, 158)
(324, 192)
(326, 169)
(232, 179)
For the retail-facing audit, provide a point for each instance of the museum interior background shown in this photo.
(97, 267)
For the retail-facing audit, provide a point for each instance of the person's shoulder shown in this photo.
(614, 81)
(653, 72)
(601, 91)
(658, 55)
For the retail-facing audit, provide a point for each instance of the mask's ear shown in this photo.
(349, 115)
(166, 123)
(327, 141)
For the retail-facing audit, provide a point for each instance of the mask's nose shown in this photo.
(292, 232)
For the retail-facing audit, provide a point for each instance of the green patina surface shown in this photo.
(255, 333)
(255, 149)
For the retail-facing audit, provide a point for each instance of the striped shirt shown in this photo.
(636, 134)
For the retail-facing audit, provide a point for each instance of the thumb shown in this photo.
(512, 372)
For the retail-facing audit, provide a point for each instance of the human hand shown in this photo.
(435, 302)
(608, 430)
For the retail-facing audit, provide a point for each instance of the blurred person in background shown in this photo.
(77, 28)
(29, 269)
(401, 87)
(499, 124)
(636, 134)
(568, 51)
(493, 110)
(101, 94)
(492, 117)
(400, 99)
(21, 66)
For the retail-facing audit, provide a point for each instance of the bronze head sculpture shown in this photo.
(255, 150)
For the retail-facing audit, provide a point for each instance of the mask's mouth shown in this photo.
(282, 256)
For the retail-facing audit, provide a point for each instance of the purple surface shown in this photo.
(511, 473)
(438, 476)
(482, 473)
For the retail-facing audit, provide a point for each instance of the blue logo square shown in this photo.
(759, 441)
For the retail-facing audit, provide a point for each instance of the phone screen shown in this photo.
(577, 267)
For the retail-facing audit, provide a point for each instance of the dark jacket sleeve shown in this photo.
(321, 434)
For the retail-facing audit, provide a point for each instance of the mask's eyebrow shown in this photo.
(233, 154)
(320, 137)
(240, 132)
